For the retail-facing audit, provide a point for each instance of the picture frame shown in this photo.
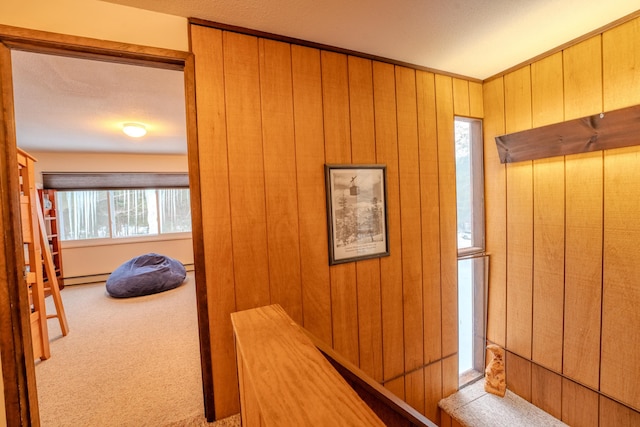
(356, 212)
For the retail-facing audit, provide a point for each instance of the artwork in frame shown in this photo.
(356, 212)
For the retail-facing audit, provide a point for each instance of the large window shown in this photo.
(472, 260)
(99, 214)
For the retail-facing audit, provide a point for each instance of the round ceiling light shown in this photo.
(134, 130)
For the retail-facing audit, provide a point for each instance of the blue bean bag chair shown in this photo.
(144, 275)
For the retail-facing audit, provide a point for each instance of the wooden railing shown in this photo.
(287, 377)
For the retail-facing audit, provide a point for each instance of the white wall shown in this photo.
(99, 20)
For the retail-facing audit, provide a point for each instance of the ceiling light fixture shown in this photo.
(134, 130)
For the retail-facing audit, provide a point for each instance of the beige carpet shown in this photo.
(125, 362)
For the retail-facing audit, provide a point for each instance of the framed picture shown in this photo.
(356, 212)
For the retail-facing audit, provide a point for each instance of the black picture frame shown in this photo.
(356, 212)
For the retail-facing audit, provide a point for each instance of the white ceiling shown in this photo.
(65, 104)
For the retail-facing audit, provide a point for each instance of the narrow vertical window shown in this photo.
(472, 260)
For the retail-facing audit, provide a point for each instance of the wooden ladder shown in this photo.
(52, 280)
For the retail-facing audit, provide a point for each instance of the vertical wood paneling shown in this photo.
(410, 219)
(216, 224)
(519, 219)
(583, 79)
(246, 170)
(548, 219)
(415, 392)
(548, 274)
(448, 222)
(335, 94)
(368, 272)
(391, 267)
(518, 372)
(309, 134)
(579, 405)
(476, 100)
(583, 219)
(428, 154)
(396, 386)
(546, 390)
(461, 104)
(496, 203)
(613, 414)
(621, 294)
(583, 268)
(433, 390)
(280, 176)
(449, 375)
(621, 75)
(547, 100)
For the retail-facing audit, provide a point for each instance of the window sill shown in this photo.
(124, 240)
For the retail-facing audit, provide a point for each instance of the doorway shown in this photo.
(17, 363)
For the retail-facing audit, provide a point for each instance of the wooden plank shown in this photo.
(613, 414)
(582, 65)
(433, 390)
(620, 54)
(446, 419)
(246, 170)
(276, 97)
(216, 224)
(548, 272)
(517, 89)
(579, 405)
(309, 138)
(603, 131)
(548, 220)
(621, 296)
(368, 272)
(396, 386)
(518, 372)
(519, 257)
(476, 100)
(430, 202)
(335, 97)
(292, 381)
(517, 94)
(546, 390)
(391, 266)
(583, 268)
(496, 223)
(461, 105)
(449, 375)
(547, 101)
(410, 219)
(415, 391)
(448, 222)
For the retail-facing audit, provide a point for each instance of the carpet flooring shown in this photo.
(125, 362)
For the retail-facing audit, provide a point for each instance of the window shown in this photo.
(472, 260)
(99, 214)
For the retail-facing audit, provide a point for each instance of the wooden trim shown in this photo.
(617, 22)
(198, 238)
(300, 42)
(87, 48)
(18, 366)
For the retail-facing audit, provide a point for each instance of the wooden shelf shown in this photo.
(615, 129)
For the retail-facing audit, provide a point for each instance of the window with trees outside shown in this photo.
(472, 259)
(104, 214)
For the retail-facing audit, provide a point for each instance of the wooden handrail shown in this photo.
(288, 377)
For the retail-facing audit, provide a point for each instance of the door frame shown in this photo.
(18, 366)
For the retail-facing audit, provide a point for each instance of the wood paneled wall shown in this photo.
(270, 115)
(563, 236)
